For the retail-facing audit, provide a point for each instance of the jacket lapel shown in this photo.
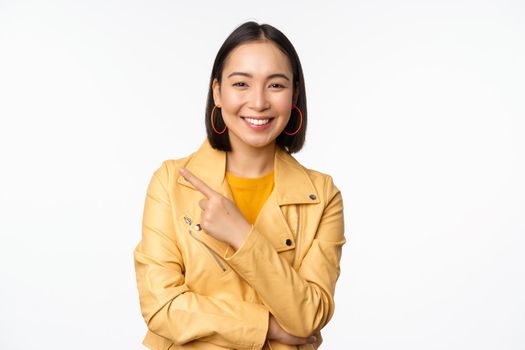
(292, 185)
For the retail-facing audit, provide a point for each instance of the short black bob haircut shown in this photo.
(252, 32)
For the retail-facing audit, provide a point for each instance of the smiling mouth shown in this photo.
(258, 120)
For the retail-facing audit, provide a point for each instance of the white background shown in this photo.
(416, 108)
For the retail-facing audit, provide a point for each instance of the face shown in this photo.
(256, 94)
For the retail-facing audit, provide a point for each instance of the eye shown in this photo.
(237, 84)
(278, 85)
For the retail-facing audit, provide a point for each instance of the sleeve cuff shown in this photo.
(248, 243)
(261, 333)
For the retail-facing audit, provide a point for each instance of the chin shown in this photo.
(258, 143)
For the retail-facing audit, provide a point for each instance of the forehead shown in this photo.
(257, 58)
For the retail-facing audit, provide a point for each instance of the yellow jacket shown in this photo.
(197, 292)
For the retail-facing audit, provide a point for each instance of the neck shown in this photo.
(247, 161)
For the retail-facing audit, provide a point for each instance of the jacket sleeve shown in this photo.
(309, 291)
(170, 309)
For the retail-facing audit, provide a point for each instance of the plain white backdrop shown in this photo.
(416, 108)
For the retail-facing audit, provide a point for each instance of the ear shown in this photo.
(216, 92)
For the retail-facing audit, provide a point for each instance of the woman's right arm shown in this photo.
(170, 309)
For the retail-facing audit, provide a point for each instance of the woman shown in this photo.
(240, 243)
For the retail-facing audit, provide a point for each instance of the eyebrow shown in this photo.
(275, 75)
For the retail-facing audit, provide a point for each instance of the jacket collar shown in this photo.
(291, 181)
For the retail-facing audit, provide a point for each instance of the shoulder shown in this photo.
(323, 182)
(168, 170)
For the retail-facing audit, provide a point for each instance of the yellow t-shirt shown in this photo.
(249, 193)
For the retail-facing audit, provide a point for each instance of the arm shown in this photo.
(302, 301)
(169, 308)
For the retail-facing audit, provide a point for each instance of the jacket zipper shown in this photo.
(297, 240)
(212, 252)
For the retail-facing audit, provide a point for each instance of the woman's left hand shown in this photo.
(220, 216)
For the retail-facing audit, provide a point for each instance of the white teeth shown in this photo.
(257, 121)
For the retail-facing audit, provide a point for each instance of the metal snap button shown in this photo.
(312, 196)
(288, 242)
(197, 227)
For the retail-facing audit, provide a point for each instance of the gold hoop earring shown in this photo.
(300, 123)
(212, 124)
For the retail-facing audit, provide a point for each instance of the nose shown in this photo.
(258, 99)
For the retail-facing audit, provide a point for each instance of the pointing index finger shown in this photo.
(197, 183)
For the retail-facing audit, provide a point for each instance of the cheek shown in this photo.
(283, 101)
(284, 107)
(231, 100)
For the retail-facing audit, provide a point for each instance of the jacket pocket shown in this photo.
(210, 252)
(215, 258)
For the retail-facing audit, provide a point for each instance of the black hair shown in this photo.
(249, 32)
